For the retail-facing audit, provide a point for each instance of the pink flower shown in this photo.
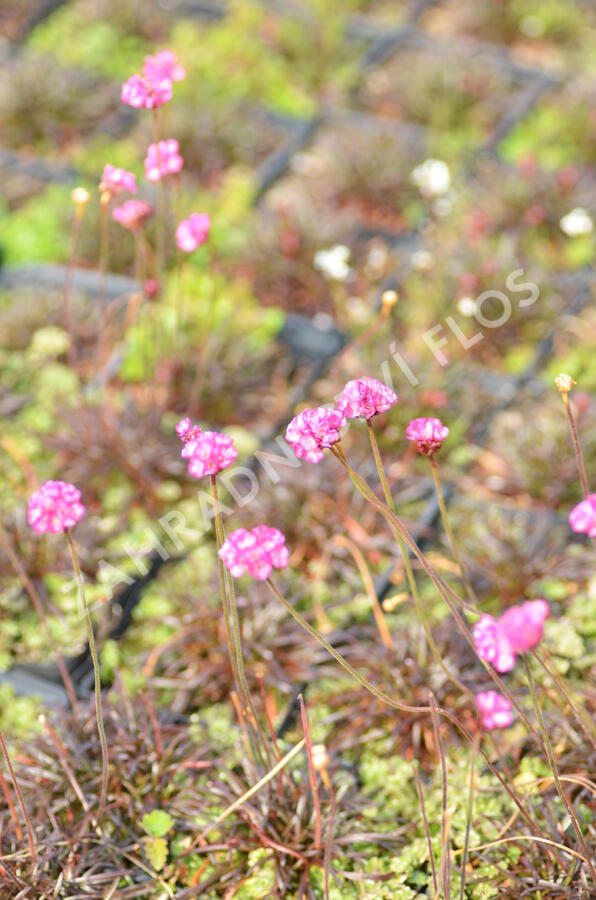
(146, 92)
(258, 552)
(186, 431)
(365, 397)
(429, 433)
(162, 159)
(519, 629)
(163, 65)
(312, 430)
(193, 232)
(132, 214)
(55, 507)
(209, 452)
(582, 517)
(494, 710)
(115, 180)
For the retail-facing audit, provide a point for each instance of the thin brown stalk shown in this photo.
(576, 445)
(311, 773)
(470, 814)
(431, 856)
(445, 867)
(63, 757)
(449, 532)
(341, 541)
(582, 716)
(20, 798)
(74, 243)
(13, 812)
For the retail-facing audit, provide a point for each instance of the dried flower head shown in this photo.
(365, 397)
(208, 452)
(257, 552)
(564, 383)
(162, 159)
(582, 517)
(55, 507)
(193, 232)
(313, 430)
(132, 214)
(494, 710)
(428, 433)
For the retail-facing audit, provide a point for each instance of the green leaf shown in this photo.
(157, 823)
(156, 851)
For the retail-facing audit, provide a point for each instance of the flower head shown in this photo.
(432, 177)
(132, 214)
(162, 66)
(313, 430)
(577, 222)
(115, 180)
(493, 645)
(186, 431)
(80, 196)
(494, 710)
(162, 159)
(519, 629)
(333, 263)
(55, 507)
(193, 232)
(582, 517)
(257, 552)
(428, 433)
(365, 397)
(146, 91)
(564, 383)
(208, 453)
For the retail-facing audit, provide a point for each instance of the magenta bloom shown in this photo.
(257, 552)
(163, 66)
(115, 180)
(132, 214)
(162, 159)
(146, 92)
(55, 507)
(494, 710)
(314, 430)
(428, 433)
(208, 453)
(186, 431)
(365, 397)
(519, 629)
(193, 232)
(582, 517)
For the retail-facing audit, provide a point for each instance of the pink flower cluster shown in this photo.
(132, 214)
(582, 517)
(186, 431)
(519, 629)
(428, 433)
(153, 87)
(193, 232)
(208, 452)
(257, 552)
(115, 180)
(163, 65)
(313, 430)
(162, 159)
(494, 710)
(55, 507)
(365, 397)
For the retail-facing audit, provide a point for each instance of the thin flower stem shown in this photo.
(576, 445)
(20, 798)
(583, 717)
(445, 867)
(554, 769)
(341, 540)
(104, 251)
(74, 243)
(431, 855)
(311, 772)
(452, 542)
(410, 575)
(13, 812)
(470, 814)
(93, 650)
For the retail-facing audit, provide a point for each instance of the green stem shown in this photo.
(93, 650)
(452, 542)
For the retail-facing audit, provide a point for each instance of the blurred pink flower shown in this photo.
(146, 92)
(115, 180)
(163, 65)
(493, 645)
(162, 159)
(55, 507)
(132, 214)
(365, 397)
(257, 552)
(519, 629)
(494, 710)
(429, 434)
(193, 232)
(186, 431)
(582, 517)
(208, 453)
(313, 430)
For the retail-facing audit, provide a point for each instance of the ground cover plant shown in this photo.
(297, 530)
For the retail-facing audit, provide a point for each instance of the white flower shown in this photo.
(432, 177)
(577, 222)
(333, 263)
(467, 306)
